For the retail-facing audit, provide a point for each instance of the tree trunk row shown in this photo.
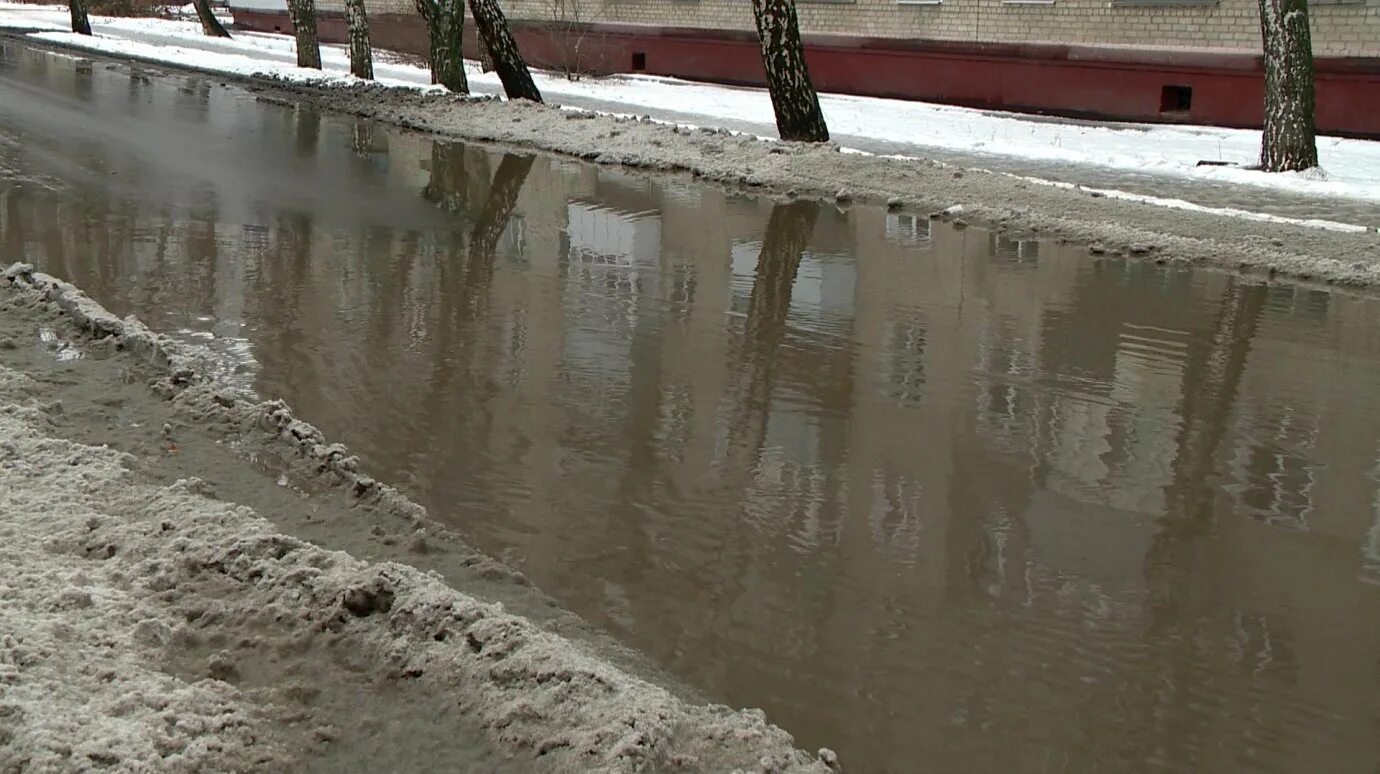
(1288, 141)
(210, 25)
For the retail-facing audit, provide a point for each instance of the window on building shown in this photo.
(1139, 3)
(1176, 99)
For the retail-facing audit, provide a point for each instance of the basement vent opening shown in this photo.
(1176, 99)
(639, 63)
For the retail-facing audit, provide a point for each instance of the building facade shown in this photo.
(1193, 61)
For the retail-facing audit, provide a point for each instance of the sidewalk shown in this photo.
(1143, 159)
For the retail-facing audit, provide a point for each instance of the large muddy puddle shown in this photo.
(931, 496)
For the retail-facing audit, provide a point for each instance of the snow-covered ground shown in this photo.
(1350, 168)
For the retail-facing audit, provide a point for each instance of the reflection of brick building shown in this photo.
(1156, 60)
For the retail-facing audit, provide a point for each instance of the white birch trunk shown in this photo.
(361, 55)
(793, 96)
(445, 23)
(1289, 139)
(503, 50)
(210, 25)
(80, 23)
(303, 13)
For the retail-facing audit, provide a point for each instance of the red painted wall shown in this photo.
(1125, 84)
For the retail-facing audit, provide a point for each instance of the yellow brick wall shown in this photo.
(1347, 29)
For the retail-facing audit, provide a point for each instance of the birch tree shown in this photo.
(503, 51)
(210, 25)
(361, 55)
(80, 23)
(793, 96)
(445, 23)
(303, 13)
(1289, 140)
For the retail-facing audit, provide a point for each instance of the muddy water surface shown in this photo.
(936, 498)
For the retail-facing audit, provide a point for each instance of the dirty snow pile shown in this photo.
(82, 631)
(111, 583)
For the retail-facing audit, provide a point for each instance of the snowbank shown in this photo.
(81, 633)
(1025, 208)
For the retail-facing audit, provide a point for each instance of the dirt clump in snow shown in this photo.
(157, 626)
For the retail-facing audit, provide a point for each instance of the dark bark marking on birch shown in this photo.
(210, 25)
(80, 23)
(361, 54)
(303, 13)
(503, 50)
(445, 23)
(1288, 141)
(793, 96)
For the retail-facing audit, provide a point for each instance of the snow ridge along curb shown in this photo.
(538, 696)
(1165, 231)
